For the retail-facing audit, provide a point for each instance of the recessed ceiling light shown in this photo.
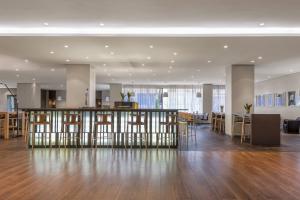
(105, 70)
(68, 60)
(18, 75)
(151, 70)
(252, 61)
(143, 64)
(149, 57)
(259, 57)
(86, 57)
(170, 67)
(33, 79)
(175, 53)
(225, 46)
(51, 52)
(101, 24)
(198, 70)
(291, 70)
(66, 46)
(26, 60)
(112, 53)
(106, 46)
(262, 24)
(46, 24)
(52, 70)
(209, 61)
(104, 64)
(151, 46)
(17, 70)
(172, 61)
(169, 71)
(269, 76)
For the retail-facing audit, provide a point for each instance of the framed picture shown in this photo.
(292, 98)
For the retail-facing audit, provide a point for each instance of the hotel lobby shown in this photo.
(149, 99)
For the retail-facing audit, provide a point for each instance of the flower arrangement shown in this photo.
(123, 95)
(248, 107)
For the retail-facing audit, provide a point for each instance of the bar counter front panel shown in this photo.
(158, 125)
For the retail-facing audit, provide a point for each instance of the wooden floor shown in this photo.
(214, 167)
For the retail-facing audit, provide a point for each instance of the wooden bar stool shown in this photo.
(220, 123)
(167, 128)
(69, 134)
(213, 120)
(40, 121)
(13, 123)
(103, 129)
(246, 124)
(137, 121)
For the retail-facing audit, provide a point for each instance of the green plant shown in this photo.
(248, 107)
(129, 94)
(123, 95)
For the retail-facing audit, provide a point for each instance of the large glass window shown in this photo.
(218, 98)
(177, 97)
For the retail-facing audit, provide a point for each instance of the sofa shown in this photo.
(291, 126)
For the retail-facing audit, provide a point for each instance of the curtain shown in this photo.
(168, 97)
(218, 98)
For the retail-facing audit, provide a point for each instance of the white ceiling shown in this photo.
(191, 64)
(150, 13)
(280, 54)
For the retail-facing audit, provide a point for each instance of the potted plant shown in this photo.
(221, 108)
(248, 107)
(129, 94)
(123, 95)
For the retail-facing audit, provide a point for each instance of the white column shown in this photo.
(239, 91)
(207, 99)
(114, 93)
(29, 95)
(79, 79)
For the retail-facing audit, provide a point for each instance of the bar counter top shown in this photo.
(101, 109)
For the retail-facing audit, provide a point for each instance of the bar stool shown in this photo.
(237, 122)
(25, 127)
(217, 122)
(40, 120)
(213, 120)
(2, 124)
(221, 123)
(13, 122)
(167, 128)
(103, 128)
(246, 124)
(71, 121)
(137, 120)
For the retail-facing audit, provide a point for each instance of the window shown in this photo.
(168, 97)
(218, 98)
(10, 103)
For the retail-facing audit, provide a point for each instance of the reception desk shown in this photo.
(142, 128)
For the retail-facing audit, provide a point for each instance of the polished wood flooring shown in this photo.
(213, 167)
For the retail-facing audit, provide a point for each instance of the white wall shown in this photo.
(3, 98)
(79, 78)
(278, 85)
(29, 95)
(115, 90)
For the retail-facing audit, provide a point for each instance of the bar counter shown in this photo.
(92, 127)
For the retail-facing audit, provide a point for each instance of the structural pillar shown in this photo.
(114, 93)
(29, 95)
(239, 91)
(207, 99)
(80, 86)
